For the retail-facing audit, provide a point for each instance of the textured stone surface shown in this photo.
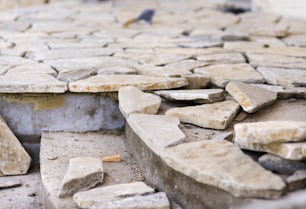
(216, 116)
(14, 160)
(270, 132)
(250, 98)
(280, 165)
(221, 74)
(226, 58)
(153, 201)
(196, 81)
(116, 70)
(82, 174)
(297, 180)
(90, 197)
(198, 95)
(149, 129)
(4, 183)
(222, 164)
(133, 100)
(107, 83)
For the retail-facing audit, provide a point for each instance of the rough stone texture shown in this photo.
(153, 201)
(250, 98)
(198, 95)
(270, 132)
(149, 128)
(4, 183)
(196, 81)
(14, 160)
(280, 165)
(216, 116)
(221, 164)
(90, 197)
(221, 74)
(82, 174)
(283, 77)
(116, 70)
(296, 40)
(220, 58)
(39, 83)
(133, 100)
(297, 180)
(107, 83)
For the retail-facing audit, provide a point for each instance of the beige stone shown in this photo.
(251, 98)
(270, 132)
(224, 58)
(107, 83)
(113, 192)
(152, 201)
(221, 74)
(223, 165)
(14, 160)
(150, 130)
(159, 71)
(216, 116)
(32, 69)
(82, 174)
(196, 81)
(296, 40)
(116, 70)
(198, 95)
(133, 100)
(39, 83)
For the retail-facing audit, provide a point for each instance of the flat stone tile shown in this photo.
(28, 69)
(108, 83)
(223, 165)
(39, 83)
(221, 74)
(220, 58)
(157, 71)
(116, 70)
(218, 115)
(295, 40)
(196, 81)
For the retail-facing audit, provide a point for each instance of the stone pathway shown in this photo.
(205, 91)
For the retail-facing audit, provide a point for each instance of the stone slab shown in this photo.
(221, 74)
(82, 174)
(215, 116)
(35, 68)
(109, 83)
(116, 70)
(223, 164)
(132, 100)
(88, 198)
(196, 81)
(222, 58)
(250, 98)
(198, 95)
(149, 129)
(5, 183)
(297, 180)
(295, 40)
(14, 160)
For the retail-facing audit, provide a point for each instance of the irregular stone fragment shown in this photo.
(216, 116)
(116, 70)
(224, 58)
(107, 83)
(14, 160)
(280, 165)
(107, 193)
(185, 65)
(202, 42)
(39, 83)
(250, 98)
(223, 165)
(284, 93)
(82, 174)
(296, 40)
(149, 129)
(162, 71)
(74, 75)
(197, 95)
(5, 184)
(34, 68)
(270, 132)
(284, 77)
(152, 201)
(196, 81)
(133, 100)
(221, 74)
(297, 180)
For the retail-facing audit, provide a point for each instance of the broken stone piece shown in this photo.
(151, 201)
(270, 132)
(108, 193)
(5, 184)
(133, 100)
(222, 164)
(297, 180)
(116, 70)
(14, 160)
(83, 174)
(157, 130)
(196, 81)
(216, 116)
(197, 95)
(250, 98)
(280, 165)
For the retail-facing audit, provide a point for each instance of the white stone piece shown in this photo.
(216, 116)
(133, 100)
(250, 98)
(224, 58)
(113, 192)
(116, 70)
(196, 81)
(82, 174)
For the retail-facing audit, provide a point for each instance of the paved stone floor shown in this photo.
(249, 67)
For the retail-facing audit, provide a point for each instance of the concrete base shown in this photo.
(28, 115)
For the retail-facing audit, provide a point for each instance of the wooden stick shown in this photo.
(112, 158)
